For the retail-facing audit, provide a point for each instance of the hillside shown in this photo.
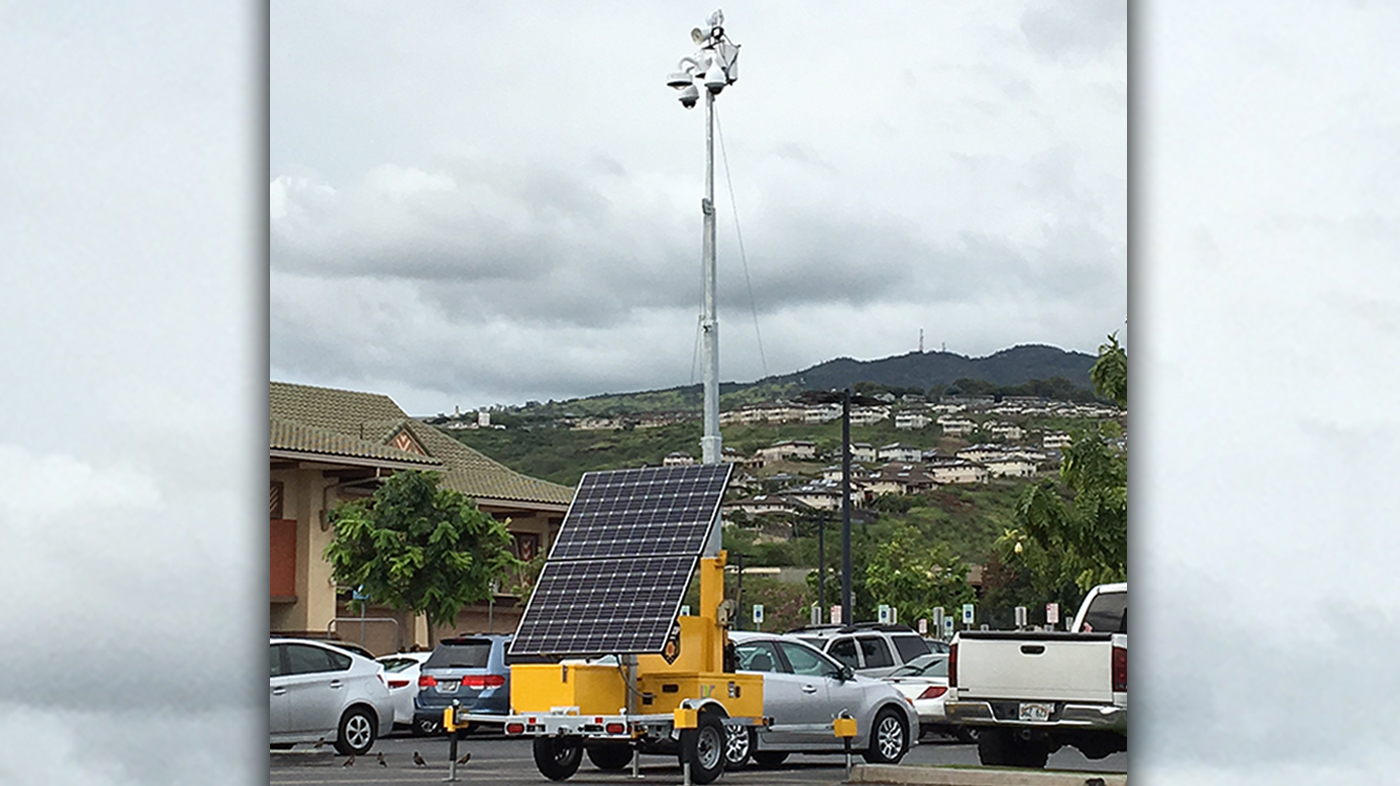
(1030, 369)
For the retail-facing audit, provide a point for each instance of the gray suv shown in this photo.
(471, 669)
(872, 649)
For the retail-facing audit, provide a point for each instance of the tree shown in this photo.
(418, 547)
(1083, 533)
(914, 577)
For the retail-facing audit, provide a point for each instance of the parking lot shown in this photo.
(503, 762)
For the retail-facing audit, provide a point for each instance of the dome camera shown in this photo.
(689, 95)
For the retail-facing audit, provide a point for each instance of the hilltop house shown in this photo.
(897, 451)
(328, 446)
(792, 449)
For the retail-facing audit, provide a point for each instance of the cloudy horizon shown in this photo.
(519, 219)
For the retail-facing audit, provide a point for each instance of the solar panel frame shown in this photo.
(618, 570)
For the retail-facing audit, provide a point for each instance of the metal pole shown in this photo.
(710, 444)
(821, 566)
(847, 612)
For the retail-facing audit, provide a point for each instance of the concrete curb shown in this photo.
(304, 758)
(952, 776)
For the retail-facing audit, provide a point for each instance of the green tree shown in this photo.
(1081, 533)
(914, 577)
(418, 547)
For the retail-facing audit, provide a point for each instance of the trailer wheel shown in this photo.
(558, 758)
(610, 758)
(704, 747)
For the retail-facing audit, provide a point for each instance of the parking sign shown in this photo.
(967, 613)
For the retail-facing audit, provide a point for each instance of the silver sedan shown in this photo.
(804, 690)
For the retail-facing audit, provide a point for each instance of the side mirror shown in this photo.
(846, 674)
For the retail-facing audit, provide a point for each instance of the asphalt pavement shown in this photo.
(509, 762)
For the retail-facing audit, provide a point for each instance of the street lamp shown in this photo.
(714, 66)
(846, 399)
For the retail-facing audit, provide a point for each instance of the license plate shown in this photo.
(1036, 712)
(447, 686)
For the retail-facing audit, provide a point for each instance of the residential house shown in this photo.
(868, 416)
(1010, 465)
(863, 451)
(327, 446)
(958, 471)
(956, 427)
(981, 452)
(909, 419)
(1056, 440)
(900, 478)
(790, 450)
(898, 451)
(1007, 431)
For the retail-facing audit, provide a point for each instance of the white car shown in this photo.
(321, 693)
(925, 681)
(401, 675)
(803, 690)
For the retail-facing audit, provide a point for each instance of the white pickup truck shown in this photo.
(1029, 693)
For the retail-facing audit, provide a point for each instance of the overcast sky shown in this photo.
(477, 203)
(133, 218)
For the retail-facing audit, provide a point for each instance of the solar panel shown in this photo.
(641, 512)
(620, 565)
(601, 607)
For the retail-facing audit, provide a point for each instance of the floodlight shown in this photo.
(698, 36)
(689, 95)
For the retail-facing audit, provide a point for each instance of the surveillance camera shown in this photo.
(689, 95)
(679, 80)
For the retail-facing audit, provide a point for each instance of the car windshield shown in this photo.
(467, 654)
(923, 666)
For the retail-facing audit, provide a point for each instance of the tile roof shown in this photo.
(287, 435)
(372, 418)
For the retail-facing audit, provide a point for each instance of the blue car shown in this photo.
(469, 669)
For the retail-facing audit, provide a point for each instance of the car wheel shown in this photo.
(769, 758)
(610, 758)
(558, 758)
(889, 738)
(358, 728)
(738, 745)
(704, 746)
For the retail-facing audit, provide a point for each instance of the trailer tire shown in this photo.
(704, 747)
(1033, 754)
(558, 758)
(612, 757)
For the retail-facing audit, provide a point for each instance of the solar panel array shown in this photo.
(625, 553)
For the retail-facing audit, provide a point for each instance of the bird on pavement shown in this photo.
(418, 760)
(382, 763)
(466, 757)
(1093, 782)
(350, 762)
(319, 743)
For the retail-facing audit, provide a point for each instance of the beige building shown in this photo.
(327, 446)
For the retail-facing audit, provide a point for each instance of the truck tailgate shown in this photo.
(1063, 667)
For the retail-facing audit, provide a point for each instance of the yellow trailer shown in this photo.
(685, 701)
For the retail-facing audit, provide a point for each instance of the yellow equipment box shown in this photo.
(595, 689)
